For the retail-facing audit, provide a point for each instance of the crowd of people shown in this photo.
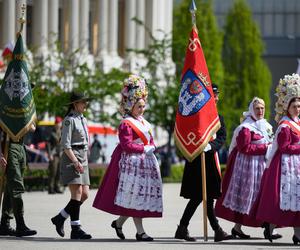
(260, 187)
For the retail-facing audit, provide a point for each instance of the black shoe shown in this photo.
(139, 237)
(241, 235)
(276, 236)
(7, 230)
(183, 234)
(220, 235)
(22, 229)
(296, 240)
(118, 230)
(59, 221)
(25, 231)
(78, 234)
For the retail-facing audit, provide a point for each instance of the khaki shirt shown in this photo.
(74, 131)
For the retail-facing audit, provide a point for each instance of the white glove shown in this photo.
(207, 148)
(149, 149)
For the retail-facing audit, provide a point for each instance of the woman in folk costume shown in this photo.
(279, 195)
(132, 185)
(246, 163)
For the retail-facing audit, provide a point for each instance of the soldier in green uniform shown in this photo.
(12, 198)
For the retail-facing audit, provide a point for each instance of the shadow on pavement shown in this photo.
(159, 240)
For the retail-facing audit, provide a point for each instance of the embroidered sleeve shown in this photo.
(245, 146)
(126, 140)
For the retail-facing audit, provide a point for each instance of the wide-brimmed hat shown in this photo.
(78, 97)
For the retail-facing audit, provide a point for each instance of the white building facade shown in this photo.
(103, 29)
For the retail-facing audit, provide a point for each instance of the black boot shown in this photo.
(78, 234)
(59, 221)
(5, 228)
(22, 229)
(182, 233)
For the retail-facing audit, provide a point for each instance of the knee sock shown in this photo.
(139, 225)
(65, 212)
(73, 209)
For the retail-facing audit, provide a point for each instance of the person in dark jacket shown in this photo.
(191, 187)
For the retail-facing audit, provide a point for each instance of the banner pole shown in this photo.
(204, 197)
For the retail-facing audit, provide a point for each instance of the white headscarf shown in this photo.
(251, 122)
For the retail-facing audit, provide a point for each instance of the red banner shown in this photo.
(197, 118)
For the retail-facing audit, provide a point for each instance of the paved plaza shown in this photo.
(40, 207)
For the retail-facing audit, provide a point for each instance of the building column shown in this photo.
(140, 29)
(169, 17)
(152, 17)
(8, 21)
(53, 22)
(113, 28)
(19, 4)
(159, 18)
(65, 31)
(74, 25)
(130, 34)
(102, 20)
(40, 24)
(130, 27)
(113, 60)
(84, 25)
(169, 23)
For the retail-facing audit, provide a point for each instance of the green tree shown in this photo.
(209, 34)
(163, 84)
(57, 74)
(246, 74)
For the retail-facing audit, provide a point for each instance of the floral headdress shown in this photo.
(288, 88)
(134, 89)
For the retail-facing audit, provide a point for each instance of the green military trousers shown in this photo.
(12, 198)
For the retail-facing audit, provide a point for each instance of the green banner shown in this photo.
(17, 108)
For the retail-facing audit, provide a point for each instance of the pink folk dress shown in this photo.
(132, 184)
(278, 201)
(241, 183)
